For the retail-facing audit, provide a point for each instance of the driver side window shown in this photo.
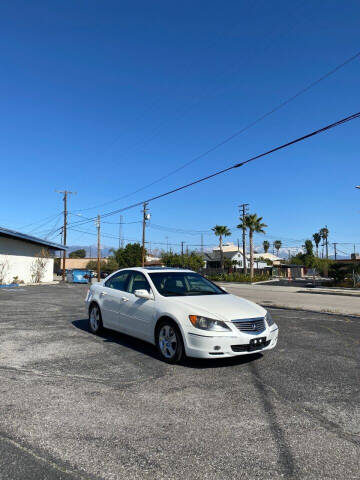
(118, 281)
(138, 281)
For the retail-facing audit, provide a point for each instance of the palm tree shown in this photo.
(266, 246)
(324, 233)
(221, 231)
(277, 246)
(317, 240)
(254, 224)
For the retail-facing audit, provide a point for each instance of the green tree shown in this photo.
(221, 231)
(266, 246)
(277, 246)
(81, 253)
(255, 225)
(192, 261)
(309, 248)
(317, 240)
(129, 256)
(92, 265)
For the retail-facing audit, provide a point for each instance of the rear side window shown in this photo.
(138, 281)
(118, 281)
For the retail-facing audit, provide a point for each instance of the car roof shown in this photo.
(159, 269)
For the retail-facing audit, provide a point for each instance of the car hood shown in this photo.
(225, 307)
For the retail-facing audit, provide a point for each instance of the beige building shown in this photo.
(79, 263)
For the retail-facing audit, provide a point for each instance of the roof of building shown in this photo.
(5, 232)
(215, 255)
(228, 247)
(268, 255)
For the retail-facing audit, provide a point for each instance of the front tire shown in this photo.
(169, 342)
(95, 319)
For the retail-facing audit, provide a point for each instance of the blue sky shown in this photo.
(105, 97)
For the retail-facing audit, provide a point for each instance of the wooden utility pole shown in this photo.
(335, 252)
(146, 216)
(182, 249)
(66, 193)
(243, 211)
(120, 232)
(98, 248)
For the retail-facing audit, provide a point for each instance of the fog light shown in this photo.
(217, 347)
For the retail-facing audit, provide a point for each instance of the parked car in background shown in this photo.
(180, 312)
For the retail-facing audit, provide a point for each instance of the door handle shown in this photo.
(124, 299)
(102, 294)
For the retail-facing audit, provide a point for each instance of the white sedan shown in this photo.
(180, 312)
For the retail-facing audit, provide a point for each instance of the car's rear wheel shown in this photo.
(95, 320)
(169, 342)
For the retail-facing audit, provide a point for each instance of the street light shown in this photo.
(357, 186)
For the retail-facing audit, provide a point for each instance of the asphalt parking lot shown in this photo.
(77, 406)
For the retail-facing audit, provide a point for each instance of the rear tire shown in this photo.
(95, 319)
(169, 342)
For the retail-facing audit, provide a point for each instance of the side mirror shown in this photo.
(143, 294)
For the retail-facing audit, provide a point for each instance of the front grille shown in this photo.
(250, 325)
(249, 348)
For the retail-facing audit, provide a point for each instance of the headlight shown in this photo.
(208, 324)
(269, 319)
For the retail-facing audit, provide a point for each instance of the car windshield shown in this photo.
(183, 284)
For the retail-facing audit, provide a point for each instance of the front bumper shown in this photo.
(205, 346)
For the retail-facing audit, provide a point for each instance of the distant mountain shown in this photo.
(91, 250)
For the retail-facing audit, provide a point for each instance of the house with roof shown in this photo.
(232, 255)
(268, 256)
(26, 258)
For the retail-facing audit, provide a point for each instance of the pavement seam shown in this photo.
(47, 461)
(324, 422)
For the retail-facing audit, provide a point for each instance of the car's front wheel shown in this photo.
(95, 320)
(169, 342)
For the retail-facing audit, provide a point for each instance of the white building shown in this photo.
(23, 257)
(268, 256)
(232, 253)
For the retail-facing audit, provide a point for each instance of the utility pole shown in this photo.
(202, 243)
(66, 193)
(98, 247)
(120, 232)
(335, 253)
(326, 243)
(182, 249)
(167, 244)
(146, 216)
(243, 208)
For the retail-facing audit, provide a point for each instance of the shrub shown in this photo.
(238, 277)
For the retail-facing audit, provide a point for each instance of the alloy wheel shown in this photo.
(95, 319)
(168, 341)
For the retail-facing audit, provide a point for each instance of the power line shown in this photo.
(237, 165)
(237, 133)
(50, 218)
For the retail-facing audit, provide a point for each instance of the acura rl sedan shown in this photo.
(180, 312)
